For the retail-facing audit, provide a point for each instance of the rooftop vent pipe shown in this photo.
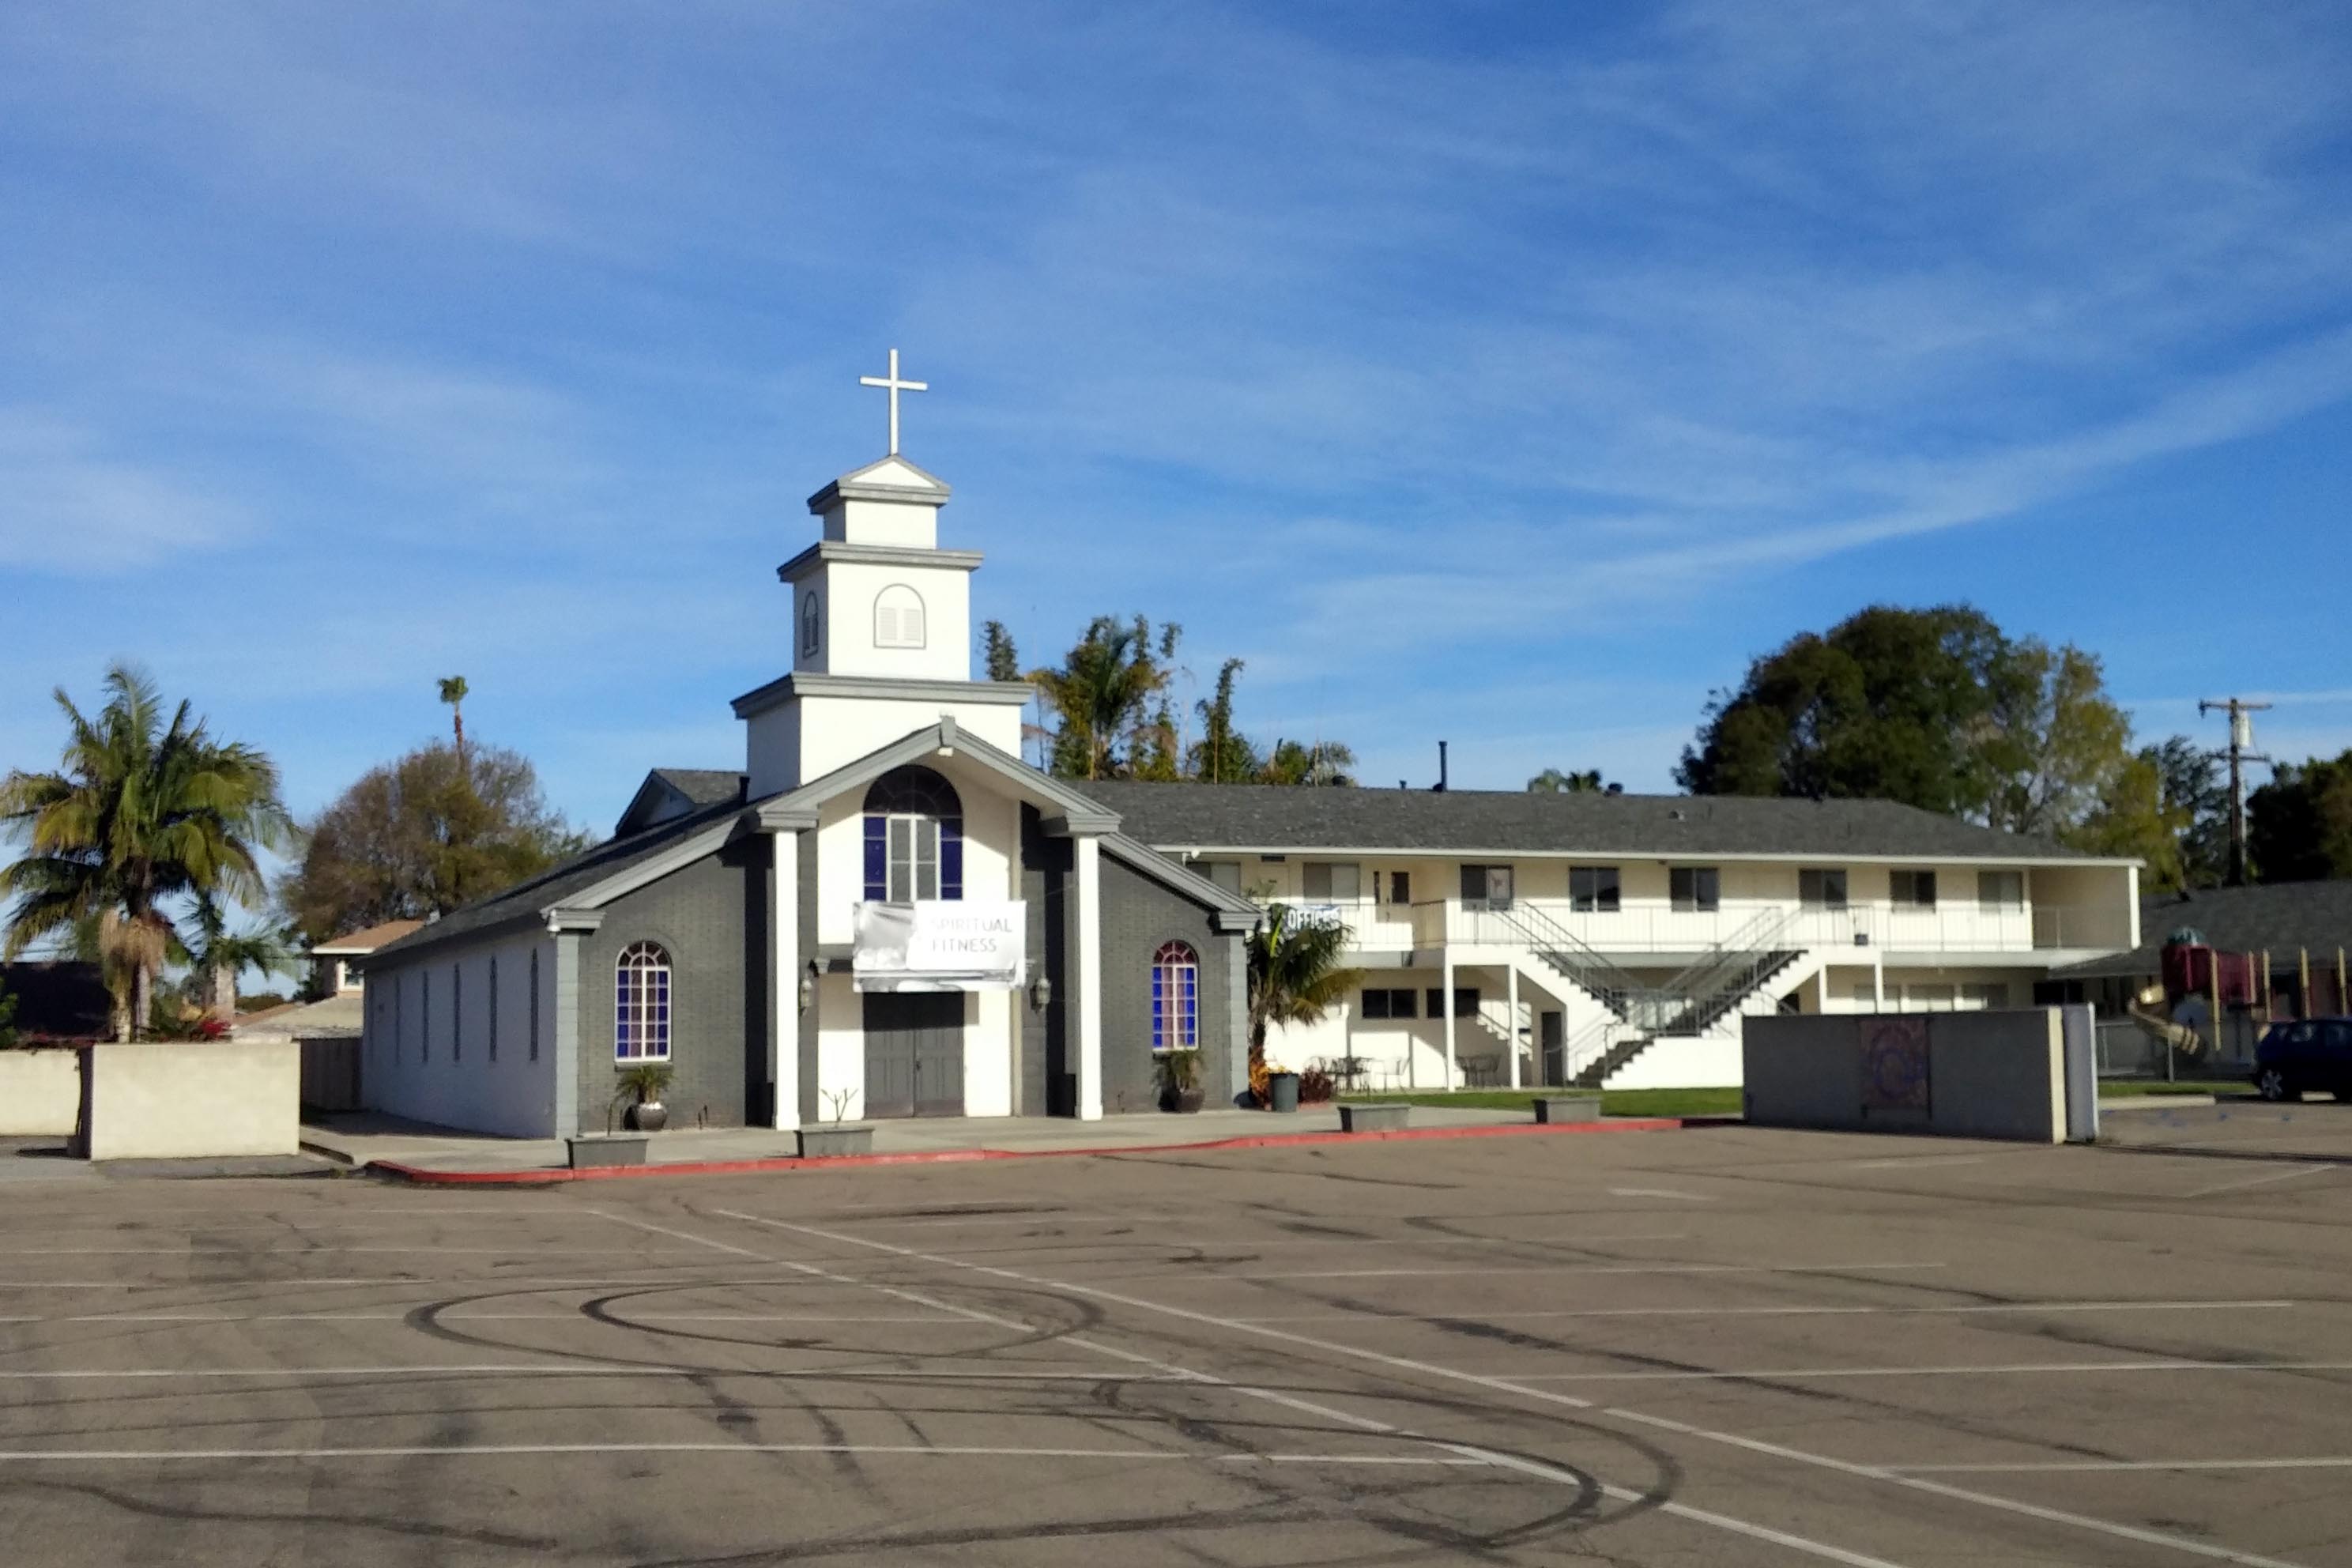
(1440, 787)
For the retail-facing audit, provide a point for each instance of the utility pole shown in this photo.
(2242, 752)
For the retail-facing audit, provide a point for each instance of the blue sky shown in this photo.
(1509, 374)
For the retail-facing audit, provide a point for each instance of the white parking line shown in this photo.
(1198, 1274)
(1621, 1494)
(895, 1450)
(1661, 1193)
(575, 1316)
(2056, 1467)
(1914, 1163)
(584, 1369)
(2010, 1369)
(2033, 1306)
(2267, 1176)
(322, 1251)
(1523, 1389)
(280, 1281)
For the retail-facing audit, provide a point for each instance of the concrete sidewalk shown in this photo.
(361, 1138)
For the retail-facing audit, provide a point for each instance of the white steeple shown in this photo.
(881, 627)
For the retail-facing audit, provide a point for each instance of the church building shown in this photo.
(885, 912)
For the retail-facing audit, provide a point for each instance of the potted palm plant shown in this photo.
(644, 1084)
(1179, 1081)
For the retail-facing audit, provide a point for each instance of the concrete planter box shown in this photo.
(40, 1092)
(596, 1149)
(835, 1140)
(1563, 1107)
(1374, 1118)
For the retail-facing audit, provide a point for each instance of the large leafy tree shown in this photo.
(1295, 977)
(1890, 704)
(429, 833)
(2299, 825)
(145, 813)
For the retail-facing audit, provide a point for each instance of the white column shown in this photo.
(1877, 982)
(1511, 985)
(1445, 1000)
(1089, 997)
(785, 926)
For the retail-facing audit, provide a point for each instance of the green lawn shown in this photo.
(2133, 1088)
(1614, 1102)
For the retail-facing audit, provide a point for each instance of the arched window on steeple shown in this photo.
(899, 618)
(914, 837)
(810, 615)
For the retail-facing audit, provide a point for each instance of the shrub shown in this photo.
(1314, 1086)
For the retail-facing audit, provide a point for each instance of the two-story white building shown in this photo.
(1509, 939)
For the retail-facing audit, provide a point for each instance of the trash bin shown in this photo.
(1282, 1091)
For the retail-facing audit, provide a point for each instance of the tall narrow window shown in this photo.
(1175, 998)
(914, 837)
(898, 617)
(457, 1012)
(1695, 886)
(424, 1015)
(534, 1003)
(811, 615)
(494, 1007)
(641, 1005)
(399, 990)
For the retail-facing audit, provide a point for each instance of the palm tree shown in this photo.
(1551, 781)
(1295, 977)
(221, 955)
(1102, 694)
(142, 813)
(1324, 764)
(453, 692)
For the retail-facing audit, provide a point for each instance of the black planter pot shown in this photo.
(1182, 1101)
(646, 1116)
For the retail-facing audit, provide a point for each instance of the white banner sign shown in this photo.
(940, 944)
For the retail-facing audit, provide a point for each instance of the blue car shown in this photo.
(2307, 1053)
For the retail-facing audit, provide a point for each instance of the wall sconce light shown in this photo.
(1041, 992)
(808, 987)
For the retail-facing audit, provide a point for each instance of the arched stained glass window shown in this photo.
(1175, 998)
(641, 1005)
(914, 837)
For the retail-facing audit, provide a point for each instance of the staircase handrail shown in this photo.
(1738, 951)
(1547, 935)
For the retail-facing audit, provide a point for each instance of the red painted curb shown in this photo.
(421, 1176)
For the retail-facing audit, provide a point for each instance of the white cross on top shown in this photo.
(895, 386)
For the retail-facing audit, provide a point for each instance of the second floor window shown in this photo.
(2000, 892)
(1400, 887)
(914, 837)
(1821, 890)
(1695, 886)
(1594, 888)
(1486, 886)
(1912, 889)
(1332, 882)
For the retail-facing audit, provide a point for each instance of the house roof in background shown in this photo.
(366, 940)
(2277, 918)
(1283, 818)
(337, 1017)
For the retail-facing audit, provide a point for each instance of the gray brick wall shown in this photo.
(1139, 915)
(705, 916)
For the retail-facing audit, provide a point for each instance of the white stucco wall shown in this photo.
(40, 1093)
(829, 732)
(448, 1075)
(849, 591)
(194, 1099)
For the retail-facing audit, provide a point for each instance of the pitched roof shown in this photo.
(2276, 918)
(561, 884)
(1281, 818)
(669, 792)
(368, 938)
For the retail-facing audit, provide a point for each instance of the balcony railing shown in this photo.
(1961, 927)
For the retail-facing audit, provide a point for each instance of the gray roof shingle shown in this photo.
(551, 887)
(2277, 918)
(1281, 818)
(706, 786)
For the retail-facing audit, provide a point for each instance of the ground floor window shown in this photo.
(1175, 998)
(1465, 1002)
(1383, 1002)
(641, 1005)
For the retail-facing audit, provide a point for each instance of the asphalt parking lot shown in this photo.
(1727, 1346)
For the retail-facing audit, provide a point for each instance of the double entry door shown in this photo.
(914, 1053)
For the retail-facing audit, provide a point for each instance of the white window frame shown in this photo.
(812, 624)
(1994, 895)
(1826, 878)
(911, 863)
(1342, 881)
(901, 619)
(1904, 884)
(1600, 898)
(649, 1004)
(1698, 902)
